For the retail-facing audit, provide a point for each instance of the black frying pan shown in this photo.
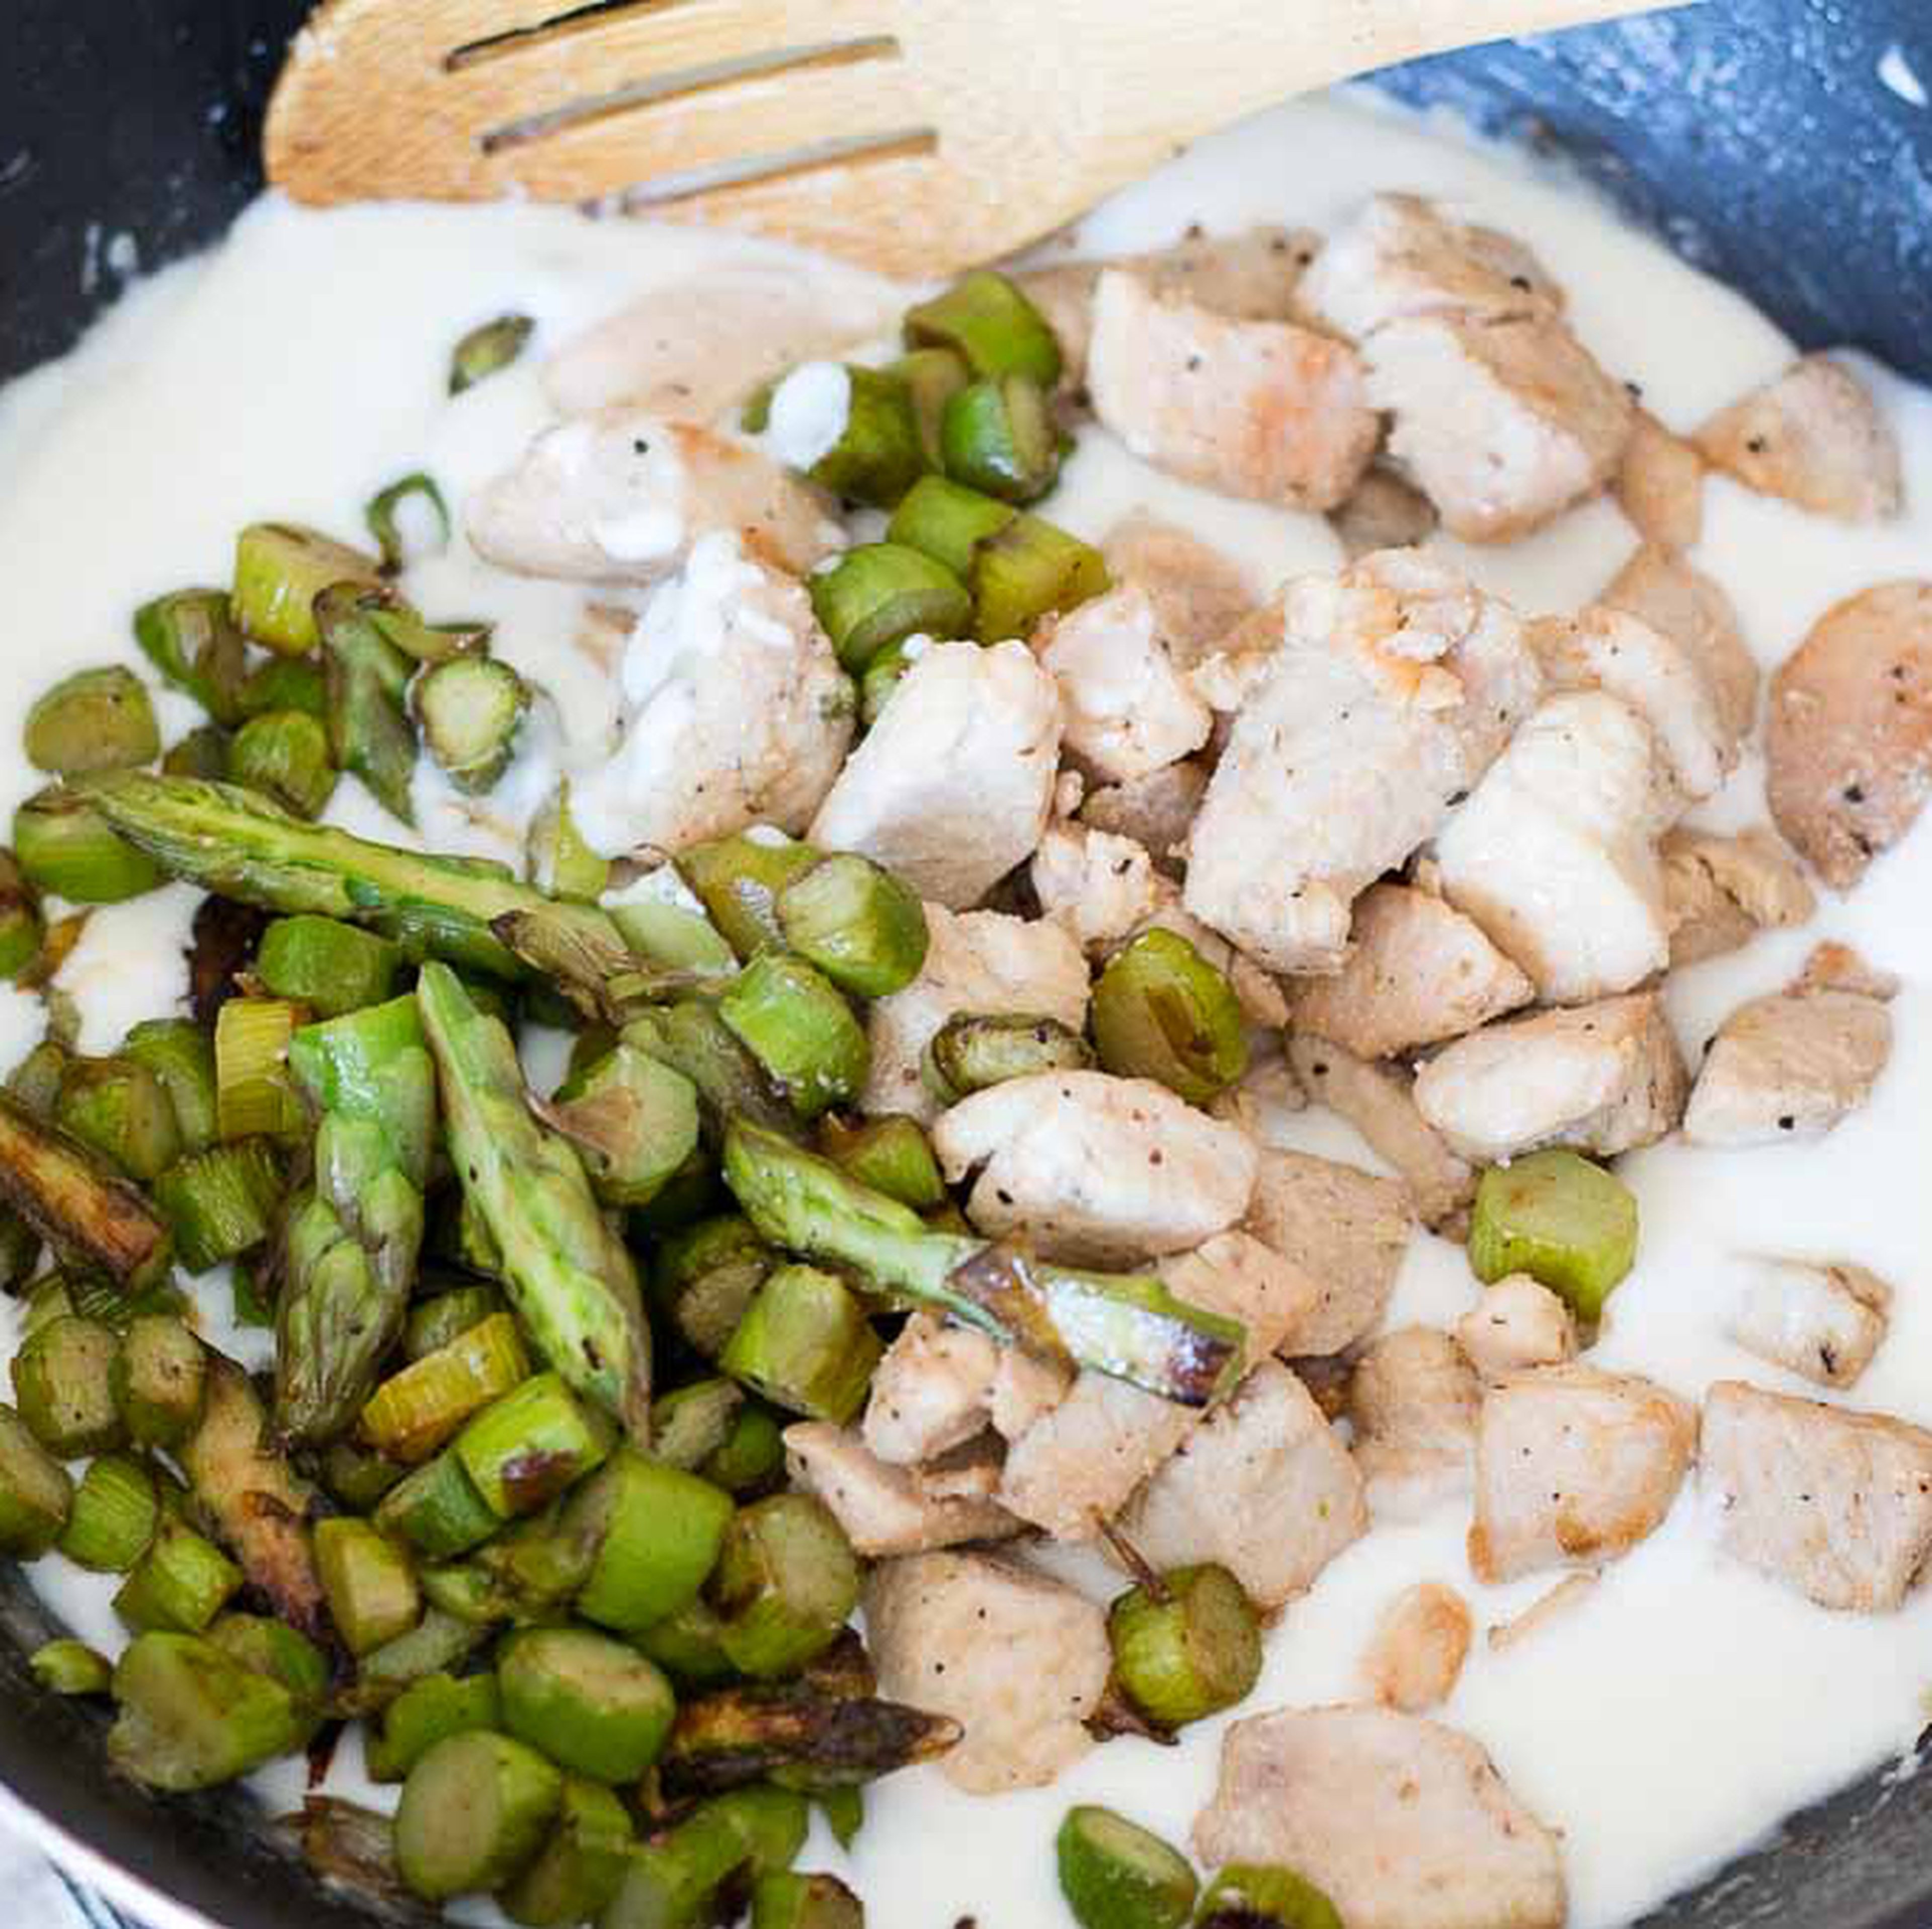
(1755, 134)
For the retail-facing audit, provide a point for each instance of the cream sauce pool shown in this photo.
(1674, 1715)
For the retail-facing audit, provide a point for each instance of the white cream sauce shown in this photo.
(1673, 1715)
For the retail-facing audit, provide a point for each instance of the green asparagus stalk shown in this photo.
(785, 1584)
(371, 1588)
(68, 1195)
(469, 709)
(674, 1879)
(593, 1704)
(158, 1379)
(181, 1583)
(1117, 1875)
(181, 1055)
(190, 1716)
(221, 1203)
(115, 1510)
(805, 1344)
(705, 1276)
(633, 1119)
(437, 1510)
(280, 570)
(1162, 1011)
(188, 636)
(267, 1646)
(435, 1321)
(526, 1448)
(1129, 1327)
(351, 1251)
(417, 1408)
(863, 929)
(331, 967)
(93, 720)
(591, 966)
(567, 1274)
(991, 321)
(654, 1533)
(791, 1017)
(254, 1090)
(62, 1386)
(68, 1666)
(475, 1810)
(235, 844)
(1189, 1649)
(890, 1154)
(121, 1108)
(368, 678)
(971, 1052)
(998, 435)
(437, 1641)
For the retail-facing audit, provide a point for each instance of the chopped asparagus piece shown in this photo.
(280, 570)
(1116, 1875)
(752, 1460)
(333, 968)
(785, 1584)
(62, 1385)
(1189, 1655)
(189, 638)
(475, 1810)
(190, 1717)
(789, 1900)
(382, 514)
(255, 1091)
(271, 1648)
(427, 1403)
(372, 1591)
(673, 1881)
(437, 1510)
(1162, 1011)
(738, 879)
(221, 1203)
(36, 1491)
(947, 521)
(528, 1446)
(998, 435)
(468, 708)
(581, 1864)
(285, 683)
(633, 1120)
(891, 1154)
(857, 923)
(880, 593)
(656, 1532)
(67, 849)
(932, 376)
(690, 1425)
(71, 1667)
(285, 755)
(181, 1055)
(691, 1037)
(204, 752)
(688, 1645)
(488, 348)
(93, 720)
(882, 678)
(1027, 569)
(358, 1477)
(367, 680)
(706, 1275)
(1131, 1327)
(1247, 1895)
(438, 1641)
(435, 1321)
(556, 859)
(969, 1052)
(120, 1107)
(1561, 1218)
(593, 1704)
(115, 1511)
(987, 320)
(20, 928)
(797, 1024)
(878, 455)
(179, 1585)
(157, 1380)
(569, 1276)
(426, 1712)
(805, 1344)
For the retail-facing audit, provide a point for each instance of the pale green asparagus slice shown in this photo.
(568, 1274)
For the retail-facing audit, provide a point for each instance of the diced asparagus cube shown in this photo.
(426, 1712)
(656, 1532)
(633, 1118)
(468, 708)
(256, 1091)
(593, 1704)
(1161, 1011)
(799, 1027)
(437, 1510)
(372, 1591)
(330, 967)
(270, 1647)
(1561, 1218)
(68, 849)
(179, 1585)
(63, 1386)
(738, 879)
(71, 1667)
(581, 1864)
(998, 435)
(36, 1491)
(971, 1052)
(705, 1276)
(181, 1054)
(221, 1203)
(531, 1445)
(93, 720)
(416, 1409)
(947, 521)
(805, 1344)
(785, 1586)
(689, 1425)
(880, 593)
(115, 1511)
(1029, 568)
(121, 1108)
(158, 1379)
(1190, 1655)
(280, 570)
(988, 319)
(284, 754)
(189, 637)
(892, 1154)
(857, 923)
(1116, 1875)
(190, 1717)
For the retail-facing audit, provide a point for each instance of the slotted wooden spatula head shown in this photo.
(914, 136)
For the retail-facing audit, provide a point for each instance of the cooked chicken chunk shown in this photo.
(1849, 738)
(978, 962)
(930, 1390)
(1604, 1077)
(1413, 1402)
(1264, 1485)
(1600, 648)
(1401, 255)
(1402, 1822)
(1390, 690)
(1661, 486)
(622, 496)
(1382, 512)
(1814, 436)
(1102, 888)
(1157, 810)
(1574, 1468)
(1094, 1169)
(1128, 709)
(1198, 595)
(953, 785)
(1418, 1650)
(880, 1506)
(1660, 588)
(1417, 971)
(1265, 410)
(1790, 1066)
(689, 349)
(739, 713)
(1823, 1321)
(1020, 1661)
(1518, 1323)
(1378, 1101)
(1721, 891)
(1835, 1503)
(1553, 853)
(1502, 424)
(1346, 1229)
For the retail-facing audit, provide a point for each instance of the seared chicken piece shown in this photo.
(953, 785)
(1382, 512)
(1102, 888)
(1264, 1485)
(1814, 436)
(1661, 589)
(1822, 1321)
(1420, 1644)
(1403, 1823)
(740, 713)
(1600, 648)
(1095, 1169)
(1721, 891)
(1518, 1323)
(1835, 1503)
(1386, 693)
(981, 962)
(1604, 1078)
(1379, 1100)
(1346, 1229)
(1659, 487)
(1791, 1065)
(1574, 1468)
(1198, 595)
(1157, 810)
(1554, 855)
(1417, 971)
(1413, 1403)
(1849, 738)
(1019, 1660)
(1128, 709)
(621, 497)
(1265, 410)
(881, 1506)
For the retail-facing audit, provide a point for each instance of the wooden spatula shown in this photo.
(914, 136)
